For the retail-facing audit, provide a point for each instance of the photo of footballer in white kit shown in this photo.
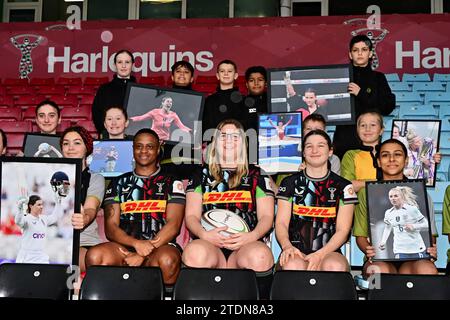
(400, 227)
(38, 198)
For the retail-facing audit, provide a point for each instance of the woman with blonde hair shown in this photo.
(228, 182)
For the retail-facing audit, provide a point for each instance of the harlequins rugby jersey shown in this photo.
(143, 201)
(240, 200)
(315, 205)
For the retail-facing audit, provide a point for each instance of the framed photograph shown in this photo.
(38, 197)
(173, 114)
(111, 158)
(279, 142)
(399, 220)
(319, 89)
(421, 138)
(41, 145)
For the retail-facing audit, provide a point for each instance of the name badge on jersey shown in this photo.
(227, 197)
(143, 206)
(319, 212)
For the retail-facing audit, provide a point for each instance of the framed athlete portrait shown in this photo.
(41, 145)
(421, 139)
(111, 158)
(173, 114)
(399, 220)
(38, 197)
(279, 142)
(317, 89)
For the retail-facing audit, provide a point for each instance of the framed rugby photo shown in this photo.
(41, 145)
(399, 220)
(314, 89)
(279, 142)
(111, 158)
(421, 139)
(39, 196)
(173, 114)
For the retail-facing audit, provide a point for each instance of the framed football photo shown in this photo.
(399, 220)
(173, 114)
(39, 196)
(421, 139)
(279, 142)
(317, 89)
(111, 158)
(41, 145)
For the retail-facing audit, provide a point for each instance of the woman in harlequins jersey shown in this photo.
(228, 172)
(315, 211)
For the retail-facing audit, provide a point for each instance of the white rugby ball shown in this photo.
(217, 218)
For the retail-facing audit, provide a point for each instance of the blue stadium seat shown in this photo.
(399, 87)
(410, 97)
(444, 111)
(313, 285)
(393, 77)
(445, 125)
(442, 244)
(416, 77)
(438, 98)
(444, 77)
(444, 143)
(437, 194)
(417, 112)
(427, 86)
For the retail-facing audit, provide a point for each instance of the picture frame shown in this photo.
(29, 232)
(145, 105)
(279, 142)
(111, 158)
(421, 139)
(42, 145)
(323, 88)
(399, 220)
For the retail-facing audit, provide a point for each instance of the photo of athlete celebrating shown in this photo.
(162, 119)
(406, 221)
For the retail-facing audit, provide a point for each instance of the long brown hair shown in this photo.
(213, 161)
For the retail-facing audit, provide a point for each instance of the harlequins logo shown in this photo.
(369, 90)
(160, 186)
(332, 191)
(245, 180)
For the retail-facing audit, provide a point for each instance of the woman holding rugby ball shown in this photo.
(228, 182)
(315, 211)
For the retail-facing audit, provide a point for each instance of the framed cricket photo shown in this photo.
(279, 142)
(38, 198)
(399, 220)
(319, 89)
(173, 114)
(111, 158)
(41, 145)
(421, 138)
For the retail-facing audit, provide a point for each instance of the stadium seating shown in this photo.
(49, 91)
(66, 101)
(95, 81)
(313, 285)
(216, 284)
(427, 87)
(417, 112)
(11, 82)
(437, 98)
(411, 287)
(18, 91)
(437, 194)
(409, 97)
(69, 81)
(75, 114)
(392, 77)
(444, 143)
(41, 281)
(42, 81)
(6, 101)
(155, 81)
(25, 102)
(416, 77)
(441, 77)
(399, 86)
(12, 114)
(122, 283)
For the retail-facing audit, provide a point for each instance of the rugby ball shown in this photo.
(217, 218)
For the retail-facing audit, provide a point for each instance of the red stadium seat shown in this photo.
(27, 101)
(29, 114)
(12, 114)
(74, 114)
(80, 91)
(207, 80)
(6, 101)
(50, 91)
(87, 99)
(155, 80)
(42, 81)
(16, 126)
(2, 91)
(11, 82)
(89, 126)
(15, 143)
(18, 91)
(206, 88)
(66, 101)
(69, 81)
(95, 81)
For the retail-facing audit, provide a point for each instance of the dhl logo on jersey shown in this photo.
(227, 197)
(143, 206)
(319, 212)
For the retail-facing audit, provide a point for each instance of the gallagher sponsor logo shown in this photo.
(320, 212)
(143, 206)
(227, 197)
